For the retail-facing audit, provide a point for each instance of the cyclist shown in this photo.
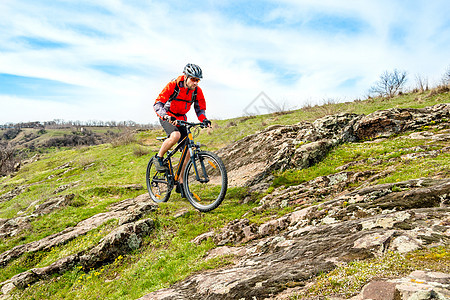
(172, 104)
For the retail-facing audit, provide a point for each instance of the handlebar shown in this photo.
(185, 123)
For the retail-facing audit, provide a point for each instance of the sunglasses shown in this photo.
(194, 79)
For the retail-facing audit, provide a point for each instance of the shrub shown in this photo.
(87, 138)
(140, 151)
(126, 138)
(11, 133)
(8, 160)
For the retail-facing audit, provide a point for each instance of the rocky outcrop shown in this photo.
(123, 239)
(127, 237)
(363, 202)
(11, 227)
(27, 278)
(287, 252)
(14, 226)
(22, 163)
(13, 193)
(385, 123)
(125, 211)
(53, 204)
(379, 206)
(326, 187)
(272, 264)
(419, 284)
(284, 254)
(322, 187)
(251, 160)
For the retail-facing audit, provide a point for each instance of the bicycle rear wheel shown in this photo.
(205, 181)
(158, 185)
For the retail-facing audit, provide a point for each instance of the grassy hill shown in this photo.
(101, 175)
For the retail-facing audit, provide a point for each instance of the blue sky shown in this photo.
(109, 59)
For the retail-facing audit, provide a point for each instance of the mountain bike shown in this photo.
(205, 179)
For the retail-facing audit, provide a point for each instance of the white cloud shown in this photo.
(295, 51)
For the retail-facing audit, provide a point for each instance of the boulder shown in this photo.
(379, 290)
(12, 227)
(419, 285)
(123, 239)
(53, 204)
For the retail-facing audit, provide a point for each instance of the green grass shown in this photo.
(45, 258)
(166, 257)
(51, 224)
(376, 157)
(97, 187)
(98, 176)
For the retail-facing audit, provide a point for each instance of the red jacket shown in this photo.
(179, 106)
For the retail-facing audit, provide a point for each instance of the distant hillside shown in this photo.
(348, 195)
(18, 144)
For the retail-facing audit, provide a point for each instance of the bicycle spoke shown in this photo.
(205, 181)
(158, 186)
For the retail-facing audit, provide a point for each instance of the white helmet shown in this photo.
(193, 71)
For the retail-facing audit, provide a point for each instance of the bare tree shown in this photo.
(422, 83)
(446, 77)
(390, 84)
(284, 108)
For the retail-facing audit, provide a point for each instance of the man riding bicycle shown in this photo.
(172, 104)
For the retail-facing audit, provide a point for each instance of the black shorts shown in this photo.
(169, 128)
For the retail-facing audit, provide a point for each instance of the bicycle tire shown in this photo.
(158, 185)
(208, 193)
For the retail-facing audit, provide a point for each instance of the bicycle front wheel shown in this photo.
(205, 181)
(158, 186)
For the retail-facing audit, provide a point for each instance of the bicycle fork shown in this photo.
(205, 177)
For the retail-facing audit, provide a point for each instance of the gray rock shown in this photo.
(203, 237)
(126, 210)
(13, 193)
(379, 290)
(237, 231)
(125, 238)
(53, 204)
(419, 285)
(305, 144)
(288, 251)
